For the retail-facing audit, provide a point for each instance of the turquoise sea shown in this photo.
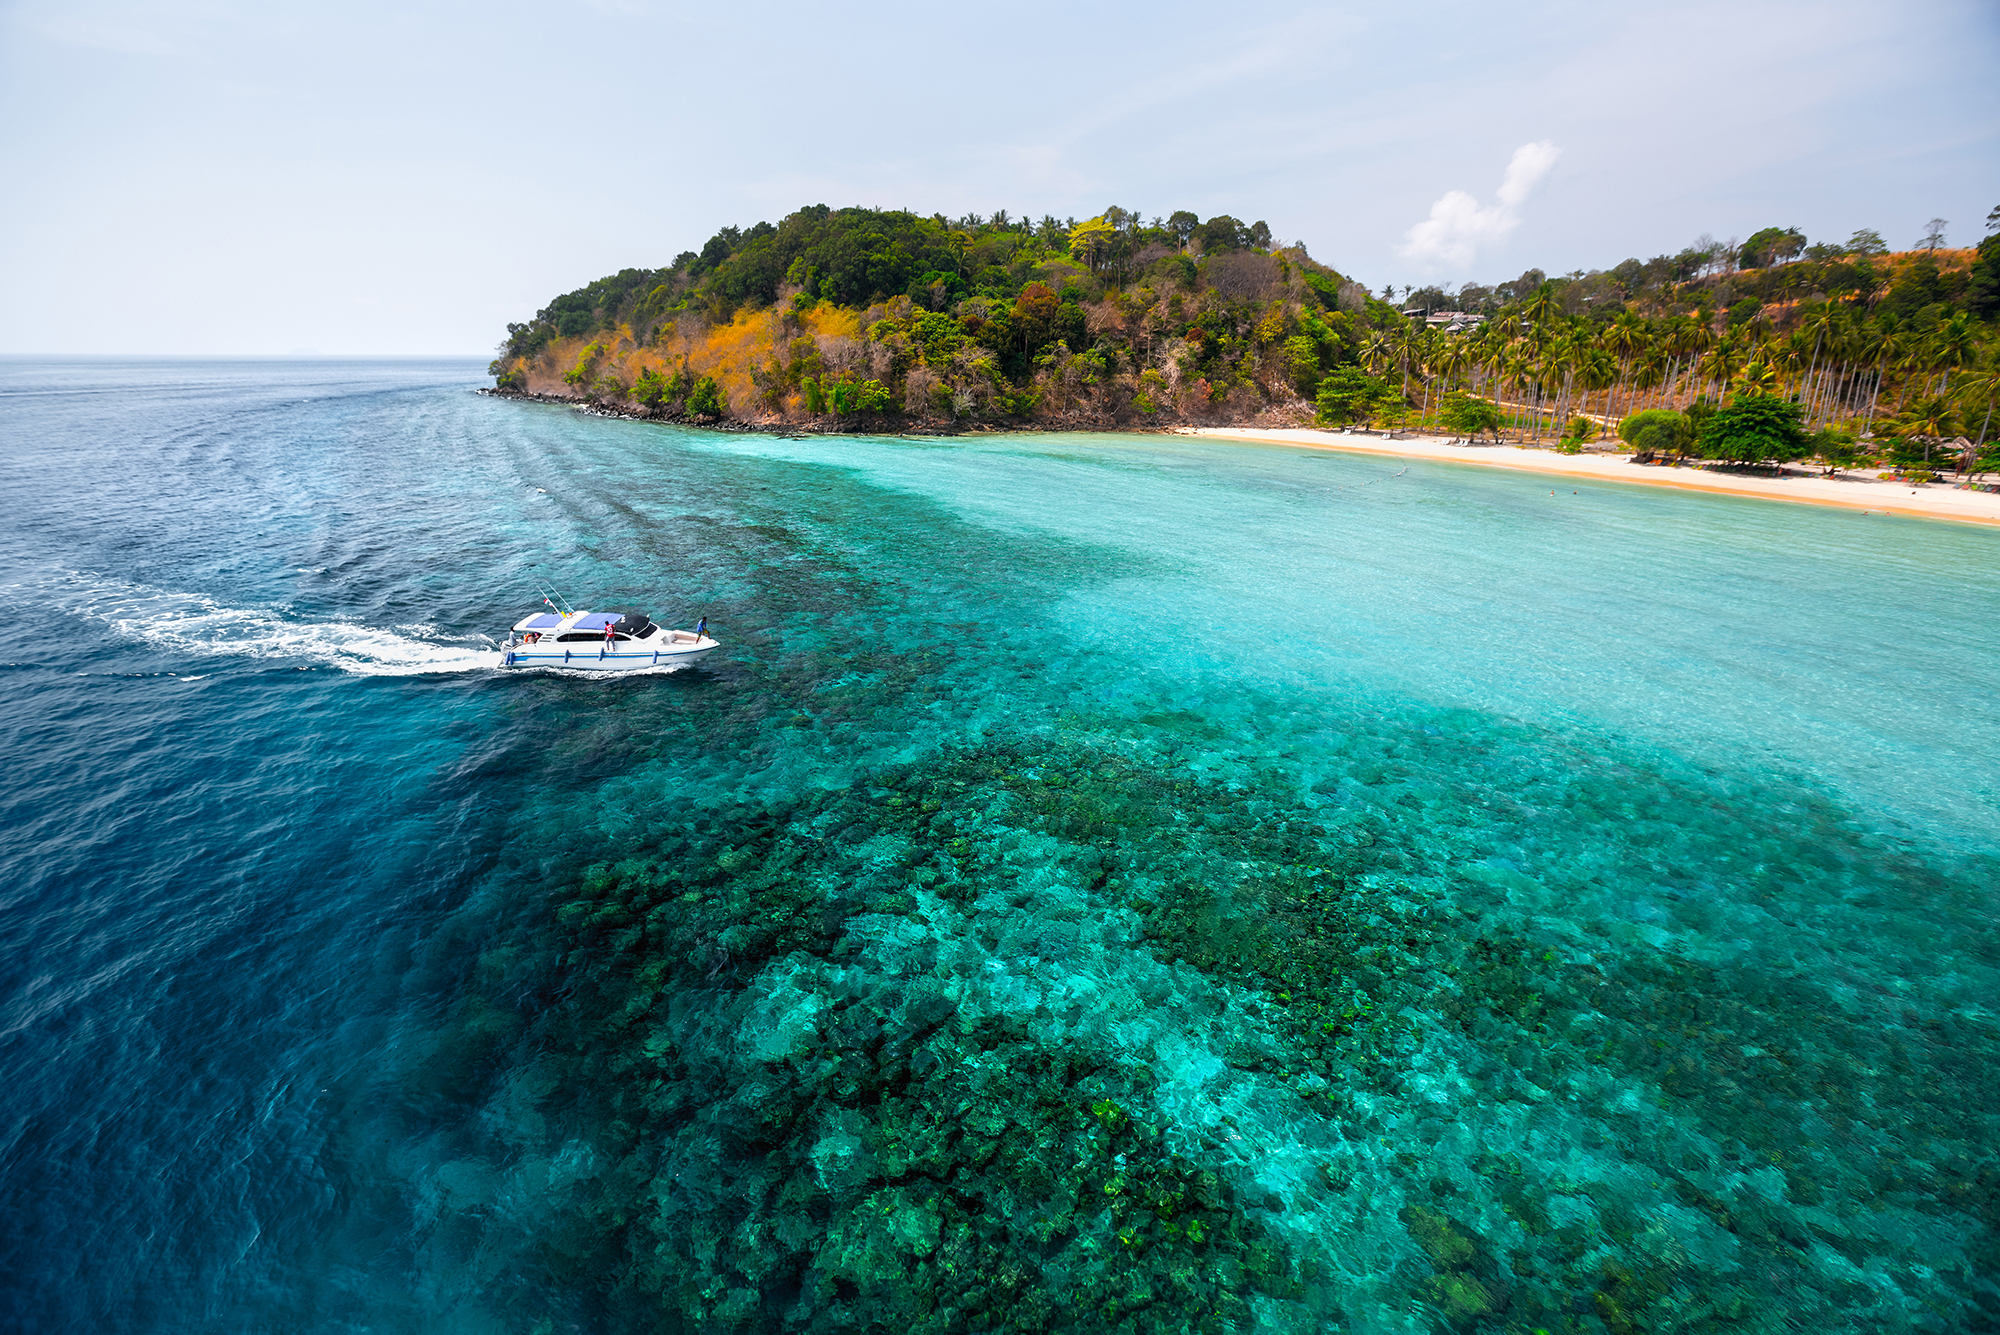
(1104, 883)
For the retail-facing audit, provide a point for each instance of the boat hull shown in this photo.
(583, 658)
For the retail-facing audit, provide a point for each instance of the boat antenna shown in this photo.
(549, 594)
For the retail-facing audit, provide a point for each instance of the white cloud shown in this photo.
(1460, 224)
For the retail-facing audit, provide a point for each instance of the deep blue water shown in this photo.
(1103, 882)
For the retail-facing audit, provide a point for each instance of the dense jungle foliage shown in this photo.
(864, 317)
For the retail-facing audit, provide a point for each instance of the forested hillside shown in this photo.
(862, 318)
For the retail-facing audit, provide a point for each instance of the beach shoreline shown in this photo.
(1856, 491)
(1849, 491)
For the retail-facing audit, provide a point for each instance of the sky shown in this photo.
(221, 177)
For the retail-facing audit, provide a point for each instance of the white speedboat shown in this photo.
(601, 642)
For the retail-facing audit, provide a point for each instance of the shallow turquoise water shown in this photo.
(1106, 882)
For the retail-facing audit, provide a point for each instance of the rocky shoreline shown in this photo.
(1270, 419)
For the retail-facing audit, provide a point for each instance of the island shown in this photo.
(1725, 366)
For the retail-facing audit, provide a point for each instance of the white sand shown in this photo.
(1849, 490)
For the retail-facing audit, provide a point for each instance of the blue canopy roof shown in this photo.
(595, 620)
(544, 621)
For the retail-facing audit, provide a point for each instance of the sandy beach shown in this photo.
(1854, 491)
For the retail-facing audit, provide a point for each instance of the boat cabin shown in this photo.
(584, 627)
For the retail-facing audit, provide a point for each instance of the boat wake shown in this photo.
(198, 626)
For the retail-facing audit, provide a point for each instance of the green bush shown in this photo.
(1838, 447)
(843, 397)
(1466, 414)
(705, 399)
(874, 397)
(1657, 438)
(1634, 423)
(582, 373)
(650, 388)
(1658, 431)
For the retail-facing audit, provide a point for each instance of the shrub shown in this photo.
(1464, 413)
(580, 374)
(1837, 447)
(1301, 358)
(705, 399)
(1658, 431)
(1633, 424)
(650, 388)
(1579, 430)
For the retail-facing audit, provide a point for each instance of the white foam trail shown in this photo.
(195, 625)
(584, 674)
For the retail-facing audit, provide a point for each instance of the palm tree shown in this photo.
(1877, 344)
(1376, 351)
(1626, 337)
(1819, 324)
(1724, 360)
(1652, 369)
(1518, 372)
(1541, 307)
(1595, 369)
(1493, 357)
(1910, 360)
(1930, 420)
(1697, 337)
(1455, 358)
(1979, 388)
(1759, 377)
(1954, 344)
(1423, 345)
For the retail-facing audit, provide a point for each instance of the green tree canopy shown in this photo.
(1771, 245)
(1982, 294)
(1222, 233)
(1755, 428)
(1347, 394)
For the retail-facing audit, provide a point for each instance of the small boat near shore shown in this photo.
(588, 641)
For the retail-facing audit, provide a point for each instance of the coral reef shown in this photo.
(926, 983)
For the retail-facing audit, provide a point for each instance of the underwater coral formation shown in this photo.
(914, 988)
(1055, 1034)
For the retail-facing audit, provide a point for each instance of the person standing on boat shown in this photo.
(607, 637)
